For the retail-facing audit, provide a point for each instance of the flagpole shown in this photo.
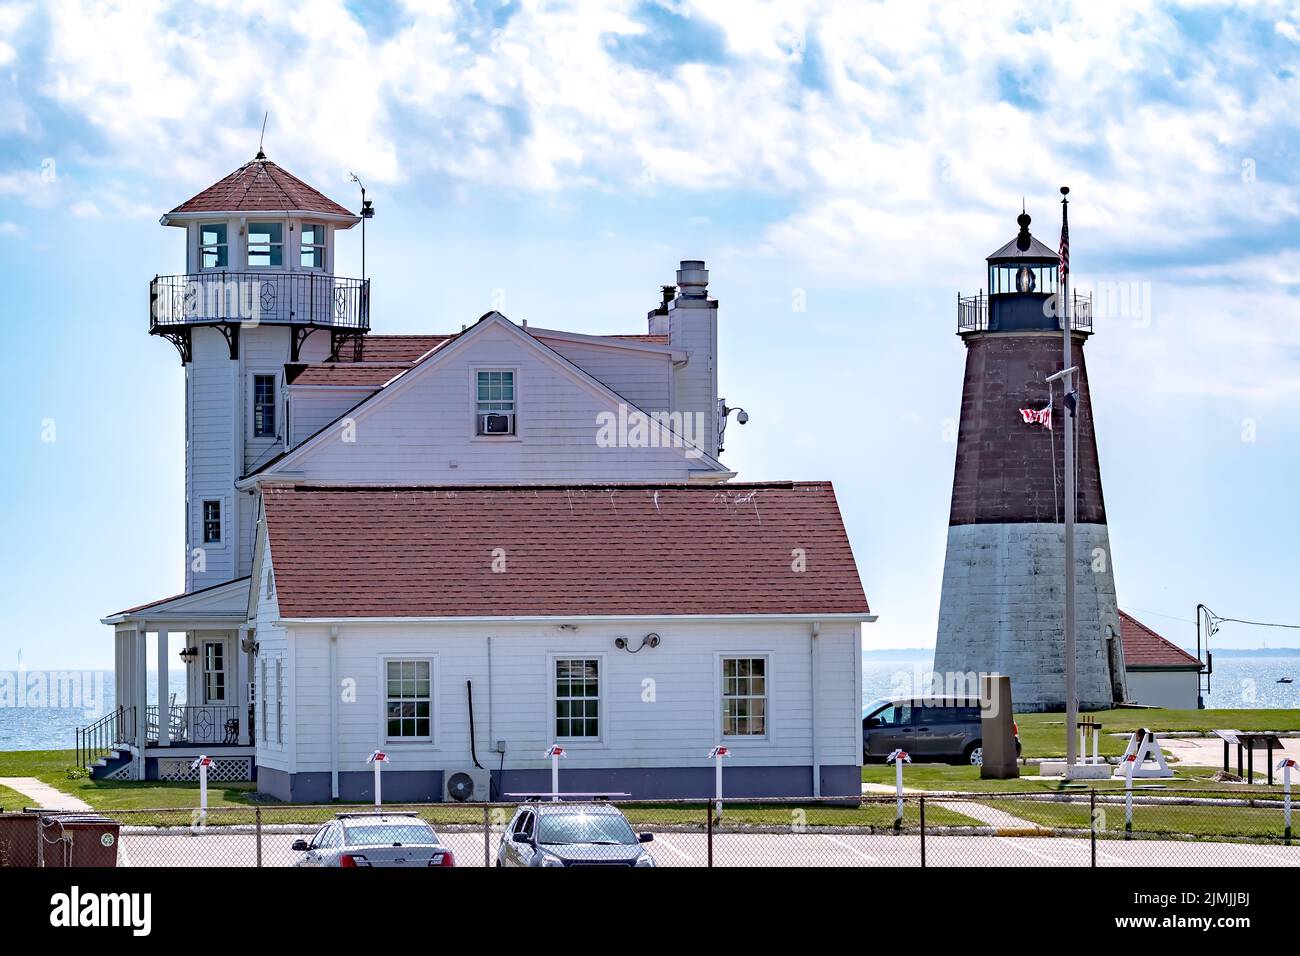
(1067, 411)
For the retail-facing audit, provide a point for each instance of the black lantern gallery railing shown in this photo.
(973, 312)
(250, 298)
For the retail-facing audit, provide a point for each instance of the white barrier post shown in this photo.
(555, 752)
(717, 753)
(898, 758)
(203, 763)
(1285, 766)
(378, 759)
(1129, 763)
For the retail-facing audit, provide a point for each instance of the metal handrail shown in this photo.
(100, 738)
(973, 312)
(192, 723)
(316, 299)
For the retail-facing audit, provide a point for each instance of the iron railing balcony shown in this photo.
(251, 298)
(230, 301)
(973, 312)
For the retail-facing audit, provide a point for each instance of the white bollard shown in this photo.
(377, 760)
(555, 752)
(717, 753)
(1129, 764)
(1285, 766)
(898, 758)
(1096, 745)
(203, 762)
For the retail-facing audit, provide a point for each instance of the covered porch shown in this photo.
(154, 732)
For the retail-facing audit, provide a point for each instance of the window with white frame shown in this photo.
(212, 521)
(265, 245)
(408, 699)
(495, 402)
(214, 672)
(279, 701)
(214, 253)
(263, 406)
(577, 697)
(744, 696)
(312, 245)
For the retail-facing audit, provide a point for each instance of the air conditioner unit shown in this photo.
(467, 786)
(496, 423)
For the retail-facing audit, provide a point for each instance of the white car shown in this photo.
(572, 834)
(374, 839)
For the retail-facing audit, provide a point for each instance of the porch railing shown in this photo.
(195, 723)
(102, 737)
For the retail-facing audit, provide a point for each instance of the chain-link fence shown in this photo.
(1163, 827)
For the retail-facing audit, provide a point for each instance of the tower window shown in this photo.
(263, 406)
(313, 245)
(266, 244)
(212, 522)
(213, 251)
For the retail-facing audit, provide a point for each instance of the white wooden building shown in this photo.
(297, 412)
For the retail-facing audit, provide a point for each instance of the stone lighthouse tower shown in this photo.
(1002, 604)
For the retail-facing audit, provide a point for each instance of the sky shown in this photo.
(843, 168)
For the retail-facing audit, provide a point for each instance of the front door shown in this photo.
(207, 717)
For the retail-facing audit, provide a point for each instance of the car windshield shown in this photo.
(389, 834)
(581, 827)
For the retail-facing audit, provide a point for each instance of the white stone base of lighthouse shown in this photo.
(1002, 611)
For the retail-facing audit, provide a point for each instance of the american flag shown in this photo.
(1040, 416)
(1065, 241)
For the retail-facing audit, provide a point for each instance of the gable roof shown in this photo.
(577, 551)
(1144, 648)
(344, 374)
(227, 600)
(262, 186)
(579, 375)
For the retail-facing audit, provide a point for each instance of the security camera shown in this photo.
(742, 416)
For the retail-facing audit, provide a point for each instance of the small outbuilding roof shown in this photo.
(1145, 649)
(545, 551)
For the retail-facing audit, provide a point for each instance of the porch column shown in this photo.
(164, 698)
(241, 686)
(140, 687)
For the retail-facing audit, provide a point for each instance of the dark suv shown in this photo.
(926, 727)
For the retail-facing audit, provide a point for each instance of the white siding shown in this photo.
(1179, 690)
(675, 729)
(424, 431)
(645, 379)
(311, 409)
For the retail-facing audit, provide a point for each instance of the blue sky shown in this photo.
(859, 158)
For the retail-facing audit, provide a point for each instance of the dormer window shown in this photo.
(495, 402)
(266, 245)
(213, 251)
(313, 245)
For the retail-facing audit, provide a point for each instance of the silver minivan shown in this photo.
(937, 728)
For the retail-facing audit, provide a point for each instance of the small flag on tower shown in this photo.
(1041, 416)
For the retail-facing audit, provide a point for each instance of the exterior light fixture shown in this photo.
(189, 655)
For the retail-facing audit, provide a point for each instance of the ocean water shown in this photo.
(1237, 682)
(28, 722)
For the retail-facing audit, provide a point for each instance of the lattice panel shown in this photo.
(223, 768)
(121, 773)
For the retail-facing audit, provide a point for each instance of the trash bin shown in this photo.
(79, 839)
(18, 839)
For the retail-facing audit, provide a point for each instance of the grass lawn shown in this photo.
(1043, 735)
(965, 778)
(53, 766)
(1245, 822)
(11, 800)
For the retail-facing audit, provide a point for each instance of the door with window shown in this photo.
(207, 720)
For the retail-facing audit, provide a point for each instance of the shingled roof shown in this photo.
(1144, 648)
(622, 550)
(262, 186)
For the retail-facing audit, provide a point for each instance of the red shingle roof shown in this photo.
(359, 374)
(589, 550)
(1143, 647)
(395, 348)
(262, 186)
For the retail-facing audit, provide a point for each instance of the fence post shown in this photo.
(487, 837)
(708, 812)
(1092, 823)
(257, 826)
(923, 833)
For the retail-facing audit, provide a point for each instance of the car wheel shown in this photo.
(975, 755)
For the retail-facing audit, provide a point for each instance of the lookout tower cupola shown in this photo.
(259, 252)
